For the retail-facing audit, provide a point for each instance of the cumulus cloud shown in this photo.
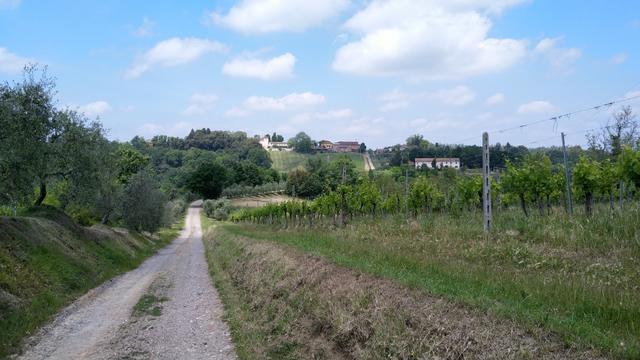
(173, 52)
(619, 59)
(11, 63)
(632, 94)
(306, 118)
(457, 96)
(278, 67)
(397, 99)
(200, 104)
(265, 16)
(175, 129)
(427, 40)
(96, 108)
(146, 29)
(289, 102)
(558, 57)
(495, 99)
(536, 107)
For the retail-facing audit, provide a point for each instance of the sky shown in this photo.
(375, 71)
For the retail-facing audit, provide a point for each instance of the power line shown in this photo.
(555, 119)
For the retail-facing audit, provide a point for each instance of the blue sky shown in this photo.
(375, 71)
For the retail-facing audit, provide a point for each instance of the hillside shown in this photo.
(47, 261)
(284, 161)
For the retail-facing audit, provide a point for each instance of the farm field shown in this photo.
(285, 161)
(259, 200)
(575, 277)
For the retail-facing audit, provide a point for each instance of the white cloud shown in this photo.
(9, 4)
(200, 104)
(146, 29)
(427, 40)
(289, 102)
(536, 107)
(619, 58)
(237, 112)
(558, 57)
(265, 16)
(96, 108)
(632, 94)
(177, 129)
(397, 99)
(495, 99)
(457, 96)
(365, 127)
(306, 118)
(11, 63)
(277, 68)
(173, 52)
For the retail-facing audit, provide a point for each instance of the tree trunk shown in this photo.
(523, 205)
(43, 193)
(588, 204)
(105, 218)
(611, 200)
(540, 205)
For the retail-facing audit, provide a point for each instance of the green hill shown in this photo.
(285, 161)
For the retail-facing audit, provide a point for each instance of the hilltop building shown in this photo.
(346, 146)
(269, 145)
(437, 163)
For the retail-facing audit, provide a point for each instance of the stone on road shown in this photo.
(102, 323)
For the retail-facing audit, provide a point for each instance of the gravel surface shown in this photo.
(187, 322)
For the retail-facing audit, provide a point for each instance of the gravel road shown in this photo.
(186, 321)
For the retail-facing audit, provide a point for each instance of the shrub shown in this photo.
(217, 209)
(173, 211)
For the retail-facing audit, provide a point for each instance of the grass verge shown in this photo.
(281, 303)
(578, 278)
(48, 261)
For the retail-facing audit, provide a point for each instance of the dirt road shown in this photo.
(179, 316)
(368, 164)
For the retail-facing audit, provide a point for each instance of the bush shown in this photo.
(173, 211)
(143, 204)
(217, 209)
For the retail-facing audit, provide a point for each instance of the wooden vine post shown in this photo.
(486, 183)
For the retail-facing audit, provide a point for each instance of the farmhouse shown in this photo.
(437, 163)
(325, 145)
(346, 146)
(269, 145)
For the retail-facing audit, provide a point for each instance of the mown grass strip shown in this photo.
(578, 315)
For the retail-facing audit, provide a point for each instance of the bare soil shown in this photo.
(185, 324)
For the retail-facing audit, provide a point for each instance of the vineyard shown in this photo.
(574, 273)
(536, 185)
(285, 161)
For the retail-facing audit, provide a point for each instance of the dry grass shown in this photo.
(260, 200)
(283, 304)
(578, 277)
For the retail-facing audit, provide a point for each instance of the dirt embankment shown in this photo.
(285, 304)
(47, 261)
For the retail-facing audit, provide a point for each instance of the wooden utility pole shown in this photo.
(486, 183)
(406, 193)
(343, 200)
(567, 176)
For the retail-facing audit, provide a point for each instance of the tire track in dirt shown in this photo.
(100, 324)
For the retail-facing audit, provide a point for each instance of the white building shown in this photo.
(437, 163)
(268, 145)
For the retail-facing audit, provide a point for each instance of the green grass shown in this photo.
(149, 304)
(47, 262)
(579, 278)
(285, 161)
